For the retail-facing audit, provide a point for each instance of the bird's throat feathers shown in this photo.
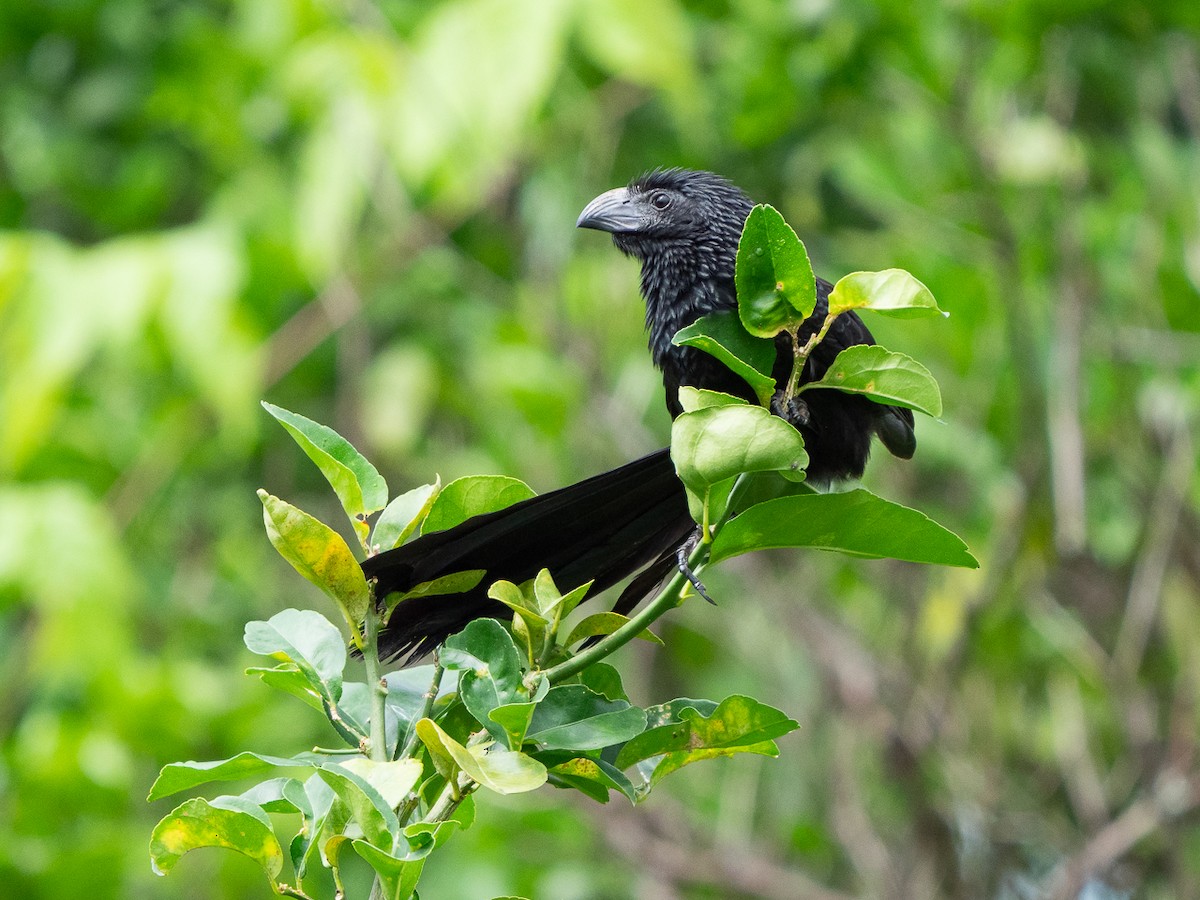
(680, 284)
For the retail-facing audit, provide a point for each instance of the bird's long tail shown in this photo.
(604, 529)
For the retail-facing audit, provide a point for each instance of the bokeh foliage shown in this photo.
(364, 212)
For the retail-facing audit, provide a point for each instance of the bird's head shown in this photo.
(671, 209)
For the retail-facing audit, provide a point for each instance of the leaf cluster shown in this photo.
(508, 707)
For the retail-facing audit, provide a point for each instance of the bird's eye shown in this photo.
(660, 199)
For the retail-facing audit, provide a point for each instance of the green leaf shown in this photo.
(737, 725)
(397, 876)
(289, 679)
(431, 735)
(499, 770)
(403, 516)
(723, 335)
(180, 776)
(606, 623)
(893, 292)
(358, 485)
(398, 873)
(514, 718)
(855, 522)
(574, 717)
(553, 604)
(604, 679)
(352, 716)
(593, 777)
(307, 640)
(326, 817)
(776, 289)
(472, 496)
(229, 822)
(491, 666)
(529, 625)
(393, 779)
(281, 795)
(883, 376)
(454, 583)
(319, 554)
(692, 399)
(366, 805)
(712, 446)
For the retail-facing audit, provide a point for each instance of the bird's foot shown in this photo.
(681, 559)
(794, 411)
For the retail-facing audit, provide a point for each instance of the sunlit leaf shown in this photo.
(229, 822)
(283, 795)
(893, 292)
(529, 625)
(358, 485)
(855, 522)
(776, 289)
(722, 334)
(514, 718)
(737, 725)
(398, 876)
(399, 871)
(367, 806)
(307, 640)
(454, 583)
(392, 779)
(551, 603)
(472, 496)
(692, 399)
(319, 554)
(883, 376)
(712, 446)
(180, 776)
(499, 770)
(606, 623)
(403, 516)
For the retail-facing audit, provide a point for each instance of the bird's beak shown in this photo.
(613, 211)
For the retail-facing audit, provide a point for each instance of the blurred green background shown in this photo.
(364, 212)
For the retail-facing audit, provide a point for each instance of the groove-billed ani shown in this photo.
(683, 227)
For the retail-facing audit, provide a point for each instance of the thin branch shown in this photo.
(652, 839)
(1173, 795)
(377, 745)
(310, 326)
(426, 707)
(1063, 422)
(667, 599)
(1145, 585)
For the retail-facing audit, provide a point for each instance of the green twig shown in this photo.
(800, 356)
(667, 599)
(452, 795)
(377, 744)
(410, 742)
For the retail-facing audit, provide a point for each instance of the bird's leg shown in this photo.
(681, 559)
(794, 411)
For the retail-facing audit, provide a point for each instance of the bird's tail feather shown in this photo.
(604, 529)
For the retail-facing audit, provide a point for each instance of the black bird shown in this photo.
(683, 226)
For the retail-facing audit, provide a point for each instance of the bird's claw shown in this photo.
(681, 558)
(794, 410)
